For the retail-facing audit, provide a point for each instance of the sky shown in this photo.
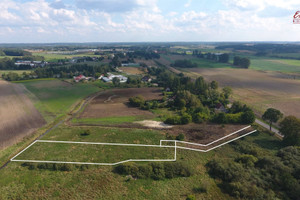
(49, 21)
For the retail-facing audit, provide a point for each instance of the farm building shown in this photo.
(79, 78)
(146, 79)
(31, 63)
(110, 77)
(130, 64)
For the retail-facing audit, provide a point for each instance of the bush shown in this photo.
(233, 118)
(86, 133)
(66, 167)
(176, 169)
(158, 171)
(185, 118)
(226, 171)
(191, 197)
(248, 149)
(137, 101)
(247, 160)
(127, 169)
(144, 171)
(220, 118)
(180, 137)
(248, 117)
(200, 118)
(173, 120)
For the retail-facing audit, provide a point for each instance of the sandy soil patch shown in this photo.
(154, 124)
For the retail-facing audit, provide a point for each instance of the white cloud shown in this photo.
(262, 4)
(188, 3)
(142, 20)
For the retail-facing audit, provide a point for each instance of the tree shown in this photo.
(236, 60)
(224, 58)
(220, 118)
(180, 103)
(248, 117)
(241, 62)
(214, 85)
(116, 81)
(227, 91)
(245, 63)
(272, 115)
(290, 128)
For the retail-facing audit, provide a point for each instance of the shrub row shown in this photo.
(156, 171)
(247, 117)
(54, 166)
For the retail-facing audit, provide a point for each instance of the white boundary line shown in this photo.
(139, 145)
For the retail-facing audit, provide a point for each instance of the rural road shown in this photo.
(267, 126)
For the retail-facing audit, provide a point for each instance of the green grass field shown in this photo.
(99, 182)
(271, 64)
(55, 57)
(108, 120)
(14, 71)
(94, 153)
(98, 134)
(54, 98)
(204, 63)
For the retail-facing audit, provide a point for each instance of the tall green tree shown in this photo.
(272, 115)
(227, 91)
(290, 128)
(214, 85)
(224, 58)
(116, 81)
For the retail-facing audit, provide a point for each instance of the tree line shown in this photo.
(60, 72)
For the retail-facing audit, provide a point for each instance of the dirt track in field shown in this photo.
(259, 89)
(18, 116)
(114, 103)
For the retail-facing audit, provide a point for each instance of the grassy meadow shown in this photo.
(54, 98)
(55, 57)
(107, 120)
(271, 64)
(100, 182)
(19, 72)
(93, 153)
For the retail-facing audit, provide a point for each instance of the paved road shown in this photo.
(267, 126)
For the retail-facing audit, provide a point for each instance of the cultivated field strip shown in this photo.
(18, 115)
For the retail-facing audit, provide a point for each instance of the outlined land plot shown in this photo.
(94, 153)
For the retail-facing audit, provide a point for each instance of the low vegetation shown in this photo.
(252, 176)
(155, 171)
